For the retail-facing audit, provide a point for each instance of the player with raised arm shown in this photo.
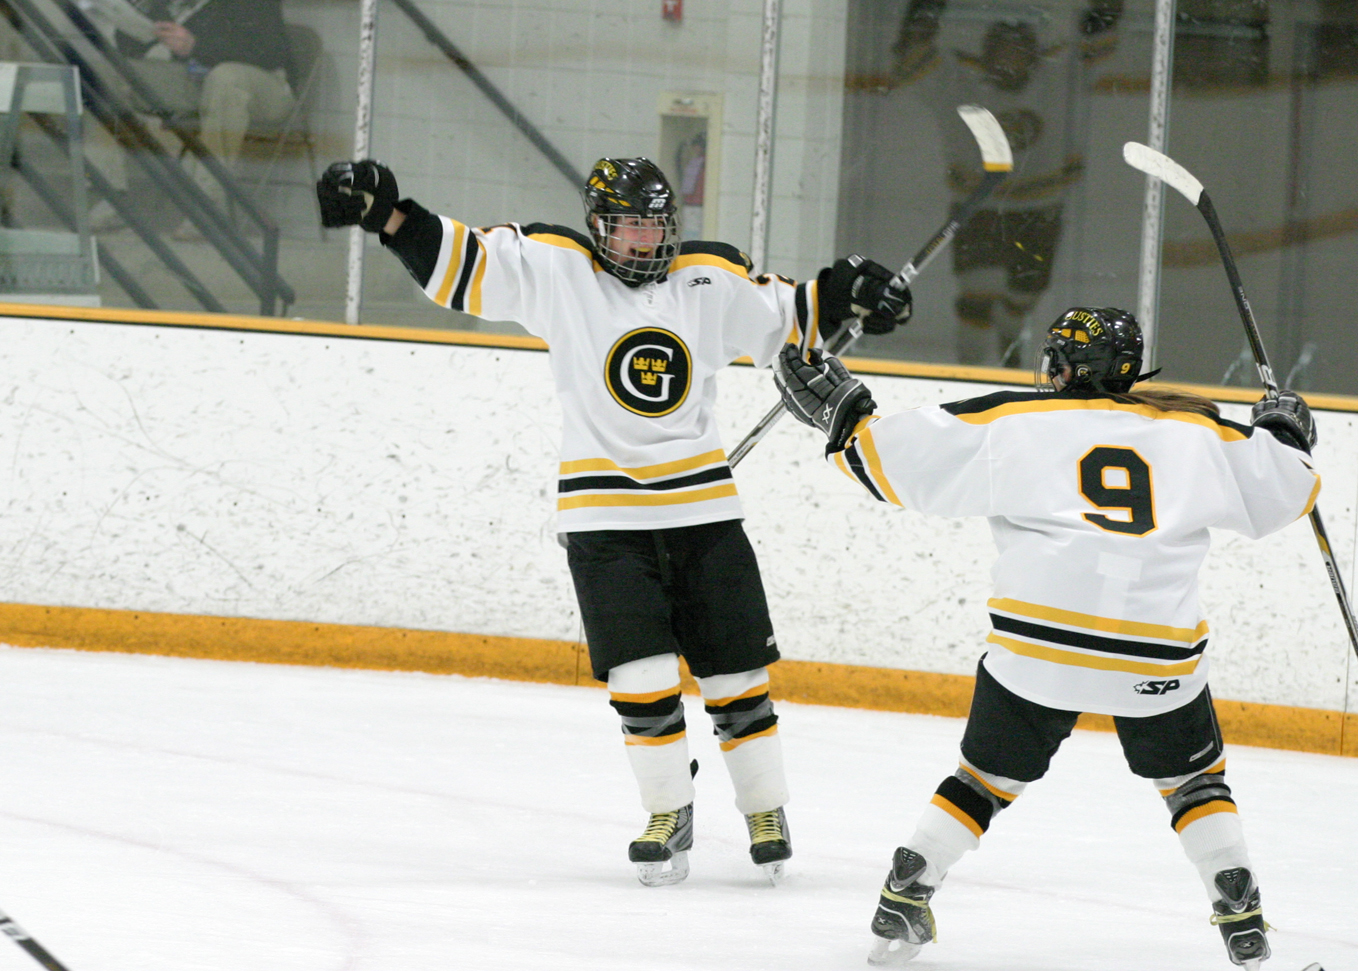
(1099, 496)
(638, 324)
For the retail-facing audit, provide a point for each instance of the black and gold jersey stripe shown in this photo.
(1102, 643)
(1002, 404)
(861, 461)
(602, 482)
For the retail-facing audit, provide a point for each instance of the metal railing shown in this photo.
(439, 39)
(258, 269)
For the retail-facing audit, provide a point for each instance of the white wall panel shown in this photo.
(378, 483)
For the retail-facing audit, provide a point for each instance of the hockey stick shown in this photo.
(998, 161)
(1164, 168)
(20, 937)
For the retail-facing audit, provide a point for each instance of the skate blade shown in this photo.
(774, 871)
(655, 874)
(891, 953)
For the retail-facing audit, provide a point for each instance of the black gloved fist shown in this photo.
(1289, 419)
(822, 393)
(855, 287)
(357, 194)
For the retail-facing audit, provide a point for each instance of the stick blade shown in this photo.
(1148, 160)
(995, 153)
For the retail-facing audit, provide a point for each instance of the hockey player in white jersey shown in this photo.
(638, 324)
(1099, 498)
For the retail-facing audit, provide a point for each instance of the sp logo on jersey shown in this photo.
(649, 372)
(1156, 687)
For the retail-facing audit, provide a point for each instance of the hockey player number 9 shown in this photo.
(1118, 478)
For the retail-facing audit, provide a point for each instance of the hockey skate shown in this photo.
(1241, 918)
(667, 839)
(903, 922)
(770, 842)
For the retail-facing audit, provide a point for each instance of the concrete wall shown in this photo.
(367, 482)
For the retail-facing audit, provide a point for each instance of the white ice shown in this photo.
(171, 815)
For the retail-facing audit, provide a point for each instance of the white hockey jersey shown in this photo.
(635, 369)
(1100, 511)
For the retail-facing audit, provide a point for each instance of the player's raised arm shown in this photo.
(487, 272)
(814, 311)
(924, 458)
(365, 194)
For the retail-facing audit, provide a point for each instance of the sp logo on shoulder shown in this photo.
(649, 372)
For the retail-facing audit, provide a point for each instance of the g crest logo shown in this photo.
(649, 372)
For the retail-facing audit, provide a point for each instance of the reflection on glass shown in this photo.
(1004, 255)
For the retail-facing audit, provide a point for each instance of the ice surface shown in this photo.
(167, 814)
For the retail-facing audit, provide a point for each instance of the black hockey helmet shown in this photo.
(1102, 347)
(630, 193)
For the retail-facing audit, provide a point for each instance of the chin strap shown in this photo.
(1148, 375)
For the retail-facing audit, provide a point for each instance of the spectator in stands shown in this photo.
(225, 61)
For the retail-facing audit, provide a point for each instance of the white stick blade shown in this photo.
(995, 153)
(1148, 160)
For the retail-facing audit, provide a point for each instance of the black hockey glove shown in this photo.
(1288, 418)
(823, 394)
(357, 194)
(855, 287)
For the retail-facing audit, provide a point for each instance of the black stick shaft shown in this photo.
(22, 938)
(846, 338)
(1242, 302)
(1256, 342)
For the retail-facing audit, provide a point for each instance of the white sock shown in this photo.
(941, 839)
(756, 768)
(755, 762)
(662, 775)
(662, 771)
(1213, 843)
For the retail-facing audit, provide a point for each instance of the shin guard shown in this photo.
(646, 695)
(1204, 815)
(957, 816)
(744, 722)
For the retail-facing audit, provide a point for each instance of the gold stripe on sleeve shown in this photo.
(874, 461)
(454, 265)
(843, 466)
(1097, 662)
(474, 298)
(659, 499)
(813, 311)
(1107, 625)
(1315, 494)
(644, 471)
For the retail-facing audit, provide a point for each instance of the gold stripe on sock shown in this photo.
(958, 815)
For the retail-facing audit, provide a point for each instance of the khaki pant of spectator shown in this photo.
(230, 98)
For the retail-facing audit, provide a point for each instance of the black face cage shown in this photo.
(633, 270)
